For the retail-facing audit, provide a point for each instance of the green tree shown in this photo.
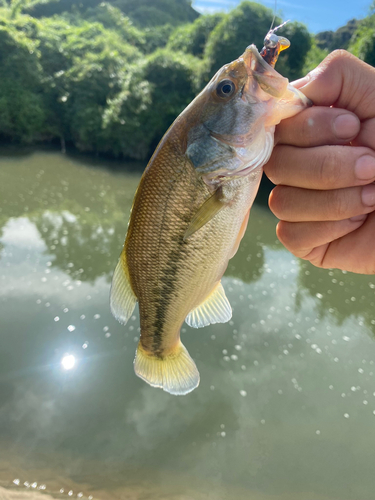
(112, 18)
(247, 24)
(156, 37)
(22, 108)
(192, 38)
(125, 130)
(314, 57)
(97, 58)
(339, 39)
(153, 94)
(142, 12)
(110, 77)
(48, 8)
(158, 12)
(231, 37)
(362, 42)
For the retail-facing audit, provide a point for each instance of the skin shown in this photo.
(324, 168)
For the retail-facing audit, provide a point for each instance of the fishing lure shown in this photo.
(273, 45)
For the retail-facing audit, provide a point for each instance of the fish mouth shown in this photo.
(254, 61)
(269, 80)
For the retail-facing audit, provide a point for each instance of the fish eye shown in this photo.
(225, 88)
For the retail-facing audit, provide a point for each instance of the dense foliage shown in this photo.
(110, 77)
(339, 39)
(362, 43)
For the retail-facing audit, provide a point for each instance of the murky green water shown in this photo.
(286, 405)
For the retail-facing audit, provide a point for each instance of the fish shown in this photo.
(191, 209)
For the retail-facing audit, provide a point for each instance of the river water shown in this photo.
(286, 405)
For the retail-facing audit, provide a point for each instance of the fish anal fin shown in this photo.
(215, 309)
(122, 297)
(175, 373)
(206, 212)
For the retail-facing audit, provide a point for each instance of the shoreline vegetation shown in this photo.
(108, 78)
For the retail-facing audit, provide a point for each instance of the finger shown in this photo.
(293, 204)
(366, 136)
(301, 238)
(343, 81)
(324, 167)
(317, 126)
(354, 252)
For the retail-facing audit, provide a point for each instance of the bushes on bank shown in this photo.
(110, 77)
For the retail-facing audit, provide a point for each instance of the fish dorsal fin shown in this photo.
(122, 297)
(175, 373)
(206, 212)
(215, 309)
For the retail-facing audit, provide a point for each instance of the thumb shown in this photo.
(344, 81)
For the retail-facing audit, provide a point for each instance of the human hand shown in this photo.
(324, 168)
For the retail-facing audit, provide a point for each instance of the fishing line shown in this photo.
(273, 20)
(274, 15)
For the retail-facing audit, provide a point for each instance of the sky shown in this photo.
(318, 15)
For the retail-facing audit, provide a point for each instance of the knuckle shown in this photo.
(368, 93)
(357, 78)
(291, 236)
(366, 136)
(339, 204)
(329, 169)
(338, 59)
(339, 55)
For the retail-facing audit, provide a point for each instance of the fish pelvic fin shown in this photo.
(215, 309)
(175, 373)
(122, 297)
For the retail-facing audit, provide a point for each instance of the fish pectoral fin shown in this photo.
(215, 309)
(175, 373)
(122, 297)
(206, 212)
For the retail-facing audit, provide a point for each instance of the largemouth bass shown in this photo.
(191, 210)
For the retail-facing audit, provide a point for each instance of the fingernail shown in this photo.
(365, 168)
(358, 218)
(368, 195)
(346, 126)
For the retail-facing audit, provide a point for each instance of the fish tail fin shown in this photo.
(175, 373)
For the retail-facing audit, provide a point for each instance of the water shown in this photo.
(286, 405)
